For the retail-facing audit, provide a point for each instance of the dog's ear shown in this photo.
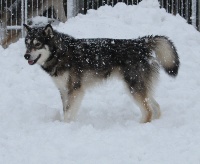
(48, 31)
(28, 28)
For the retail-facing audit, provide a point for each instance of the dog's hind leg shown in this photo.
(140, 79)
(145, 107)
(140, 94)
(156, 108)
(150, 109)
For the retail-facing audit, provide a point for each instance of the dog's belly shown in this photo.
(92, 78)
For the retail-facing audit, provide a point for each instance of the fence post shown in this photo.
(80, 7)
(198, 16)
(69, 9)
(22, 17)
(194, 11)
(2, 31)
(26, 12)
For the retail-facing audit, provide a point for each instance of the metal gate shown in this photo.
(188, 9)
(14, 13)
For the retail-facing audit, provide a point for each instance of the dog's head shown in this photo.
(38, 45)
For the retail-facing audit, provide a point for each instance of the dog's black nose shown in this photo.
(27, 56)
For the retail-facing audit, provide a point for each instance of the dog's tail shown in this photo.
(166, 54)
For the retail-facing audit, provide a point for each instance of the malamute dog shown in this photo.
(75, 64)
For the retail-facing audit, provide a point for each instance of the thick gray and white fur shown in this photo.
(76, 64)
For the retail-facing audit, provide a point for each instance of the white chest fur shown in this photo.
(61, 81)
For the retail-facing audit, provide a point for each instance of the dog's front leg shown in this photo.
(64, 97)
(72, 104)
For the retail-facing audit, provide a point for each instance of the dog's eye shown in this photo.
(37, 44)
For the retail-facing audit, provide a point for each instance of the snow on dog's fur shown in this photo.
(74, 64)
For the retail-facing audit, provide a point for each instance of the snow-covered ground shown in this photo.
(107, 130)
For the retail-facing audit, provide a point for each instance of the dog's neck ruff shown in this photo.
(53, 58)
(50, 58)
(53, 55)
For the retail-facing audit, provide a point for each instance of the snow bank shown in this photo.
(107, 130)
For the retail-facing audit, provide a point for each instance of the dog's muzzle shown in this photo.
(30, 61)
(27, 56)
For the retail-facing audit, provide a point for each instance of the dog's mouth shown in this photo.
(31, 62)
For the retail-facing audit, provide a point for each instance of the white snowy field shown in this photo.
(107, 130)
